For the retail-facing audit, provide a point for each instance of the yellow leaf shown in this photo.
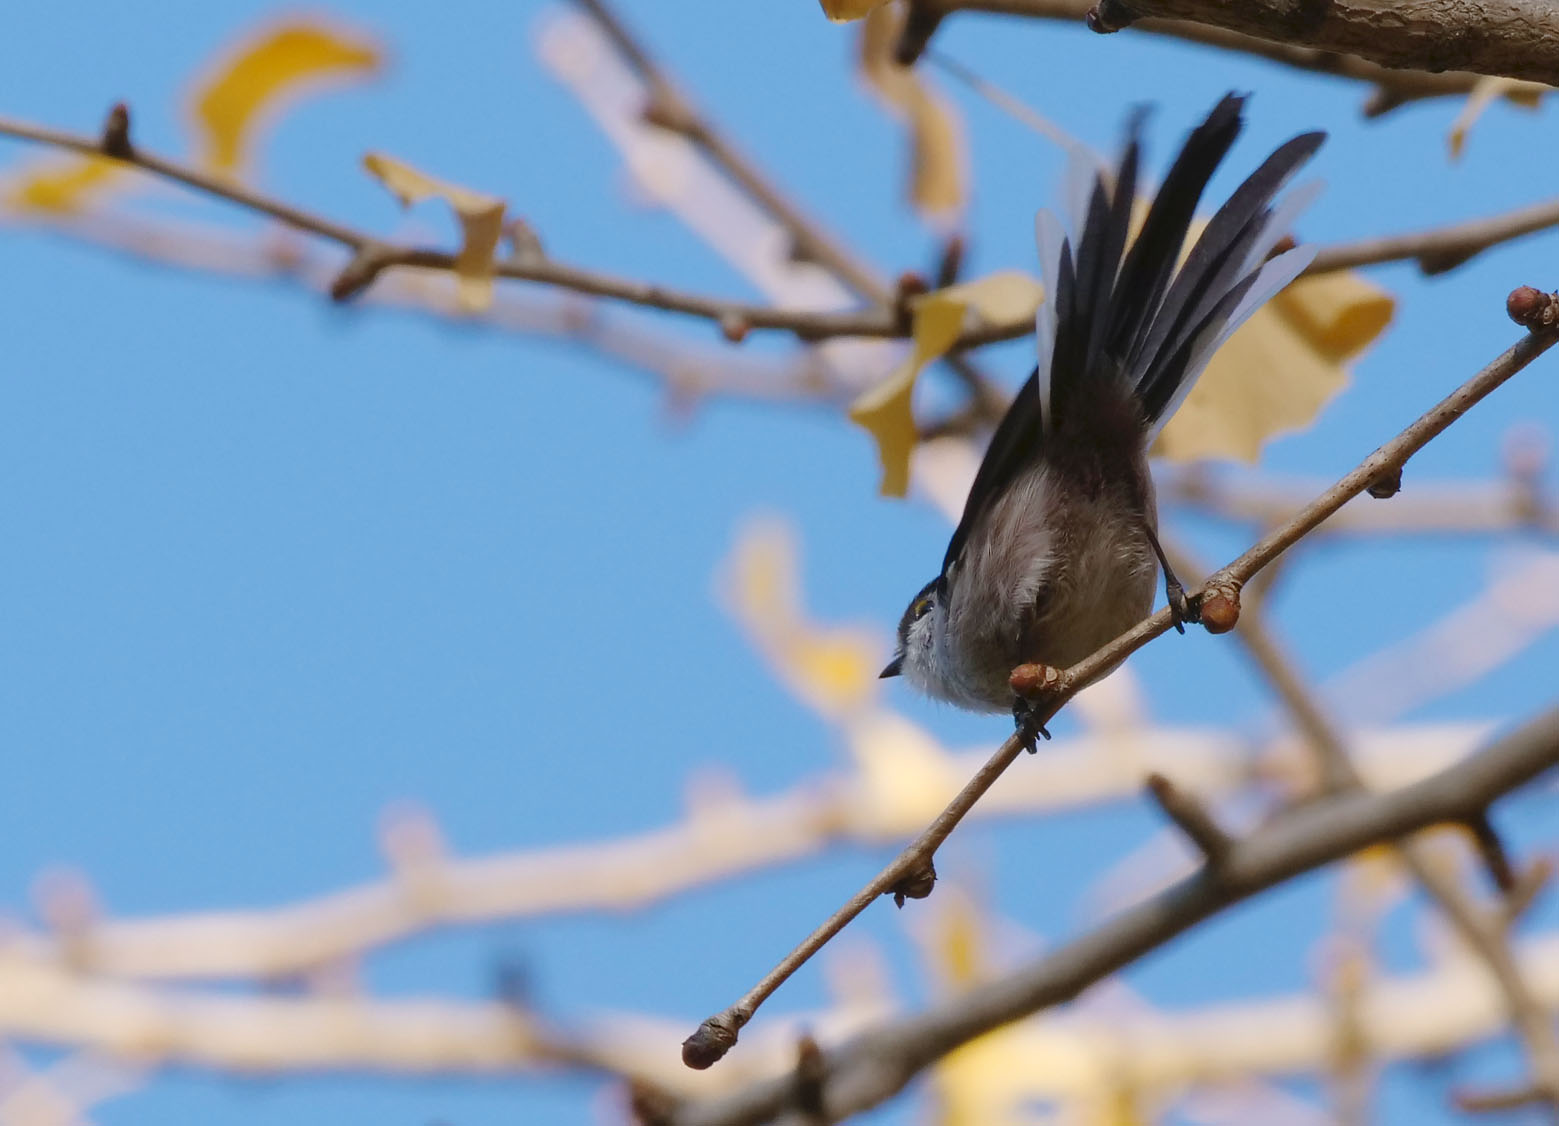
(1007, 295)
(260, 73)
(834, 670)
(936, 140)
(1278, 371)
(1484, 91)
(885, 410)
(480, 217)
(64, 186)
(841, 11)
(1339, 314)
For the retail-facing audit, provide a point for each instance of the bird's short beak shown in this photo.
(895, 667)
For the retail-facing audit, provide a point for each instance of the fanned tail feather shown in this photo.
(1119, 315)
(1127, 313)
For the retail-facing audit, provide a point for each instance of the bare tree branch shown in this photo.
(1441, 248)
(1485, 932)
(1428, 508)
(671, 109)
(718, 1033)
(1515, 38)
(876, 1065)
(1393, 86)
(1437, 249)
(372, 256)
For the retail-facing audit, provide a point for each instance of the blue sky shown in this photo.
(271, 566)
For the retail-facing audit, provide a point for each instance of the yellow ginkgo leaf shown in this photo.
(480, 217)
(1483, 93)
(260, 73)
(63, 186)
(1340, 314)
(841, 11)
(936, 140)
(1277, 372)
(833, 669)
(885, 411)
(1002, 297)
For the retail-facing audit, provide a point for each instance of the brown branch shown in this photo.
(1192, 817)
(1515, 38)
(1393, 86)
(372, 255)
(1431, 508)
(1442, 248)
(672, 109)
(718, 1033)
(876, 1065)
(1485, 932)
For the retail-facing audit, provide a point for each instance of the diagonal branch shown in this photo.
(671, 109)
(876, 1065)
(718, 1033)
(1485, 932)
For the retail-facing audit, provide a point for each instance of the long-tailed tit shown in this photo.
(1055, 553)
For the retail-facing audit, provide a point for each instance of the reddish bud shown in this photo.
(735, 327)
(1221, 608)
(1532, 307)
(1032, 679)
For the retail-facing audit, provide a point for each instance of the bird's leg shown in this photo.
(1180, 608)
(1025, 714)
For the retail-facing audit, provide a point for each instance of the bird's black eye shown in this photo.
(921, 607)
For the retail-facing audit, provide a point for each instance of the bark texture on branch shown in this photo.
(1515, 38)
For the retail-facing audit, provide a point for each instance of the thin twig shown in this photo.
(381, 255)
(877, 1064)
(719, 1032)
(372, 256)
(672, 109)
(1425, 508)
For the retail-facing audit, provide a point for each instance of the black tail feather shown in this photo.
(1126, 315)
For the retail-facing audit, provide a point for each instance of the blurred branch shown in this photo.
(721, 838)
(1484, 931)
(876, 1065)
(718, 1033)
(1412, 1016)
(372, 257)
(1439, 249)
(1423, 508)
(687, 370)
(670, 109)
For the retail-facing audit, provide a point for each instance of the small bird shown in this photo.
(1055, 554)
